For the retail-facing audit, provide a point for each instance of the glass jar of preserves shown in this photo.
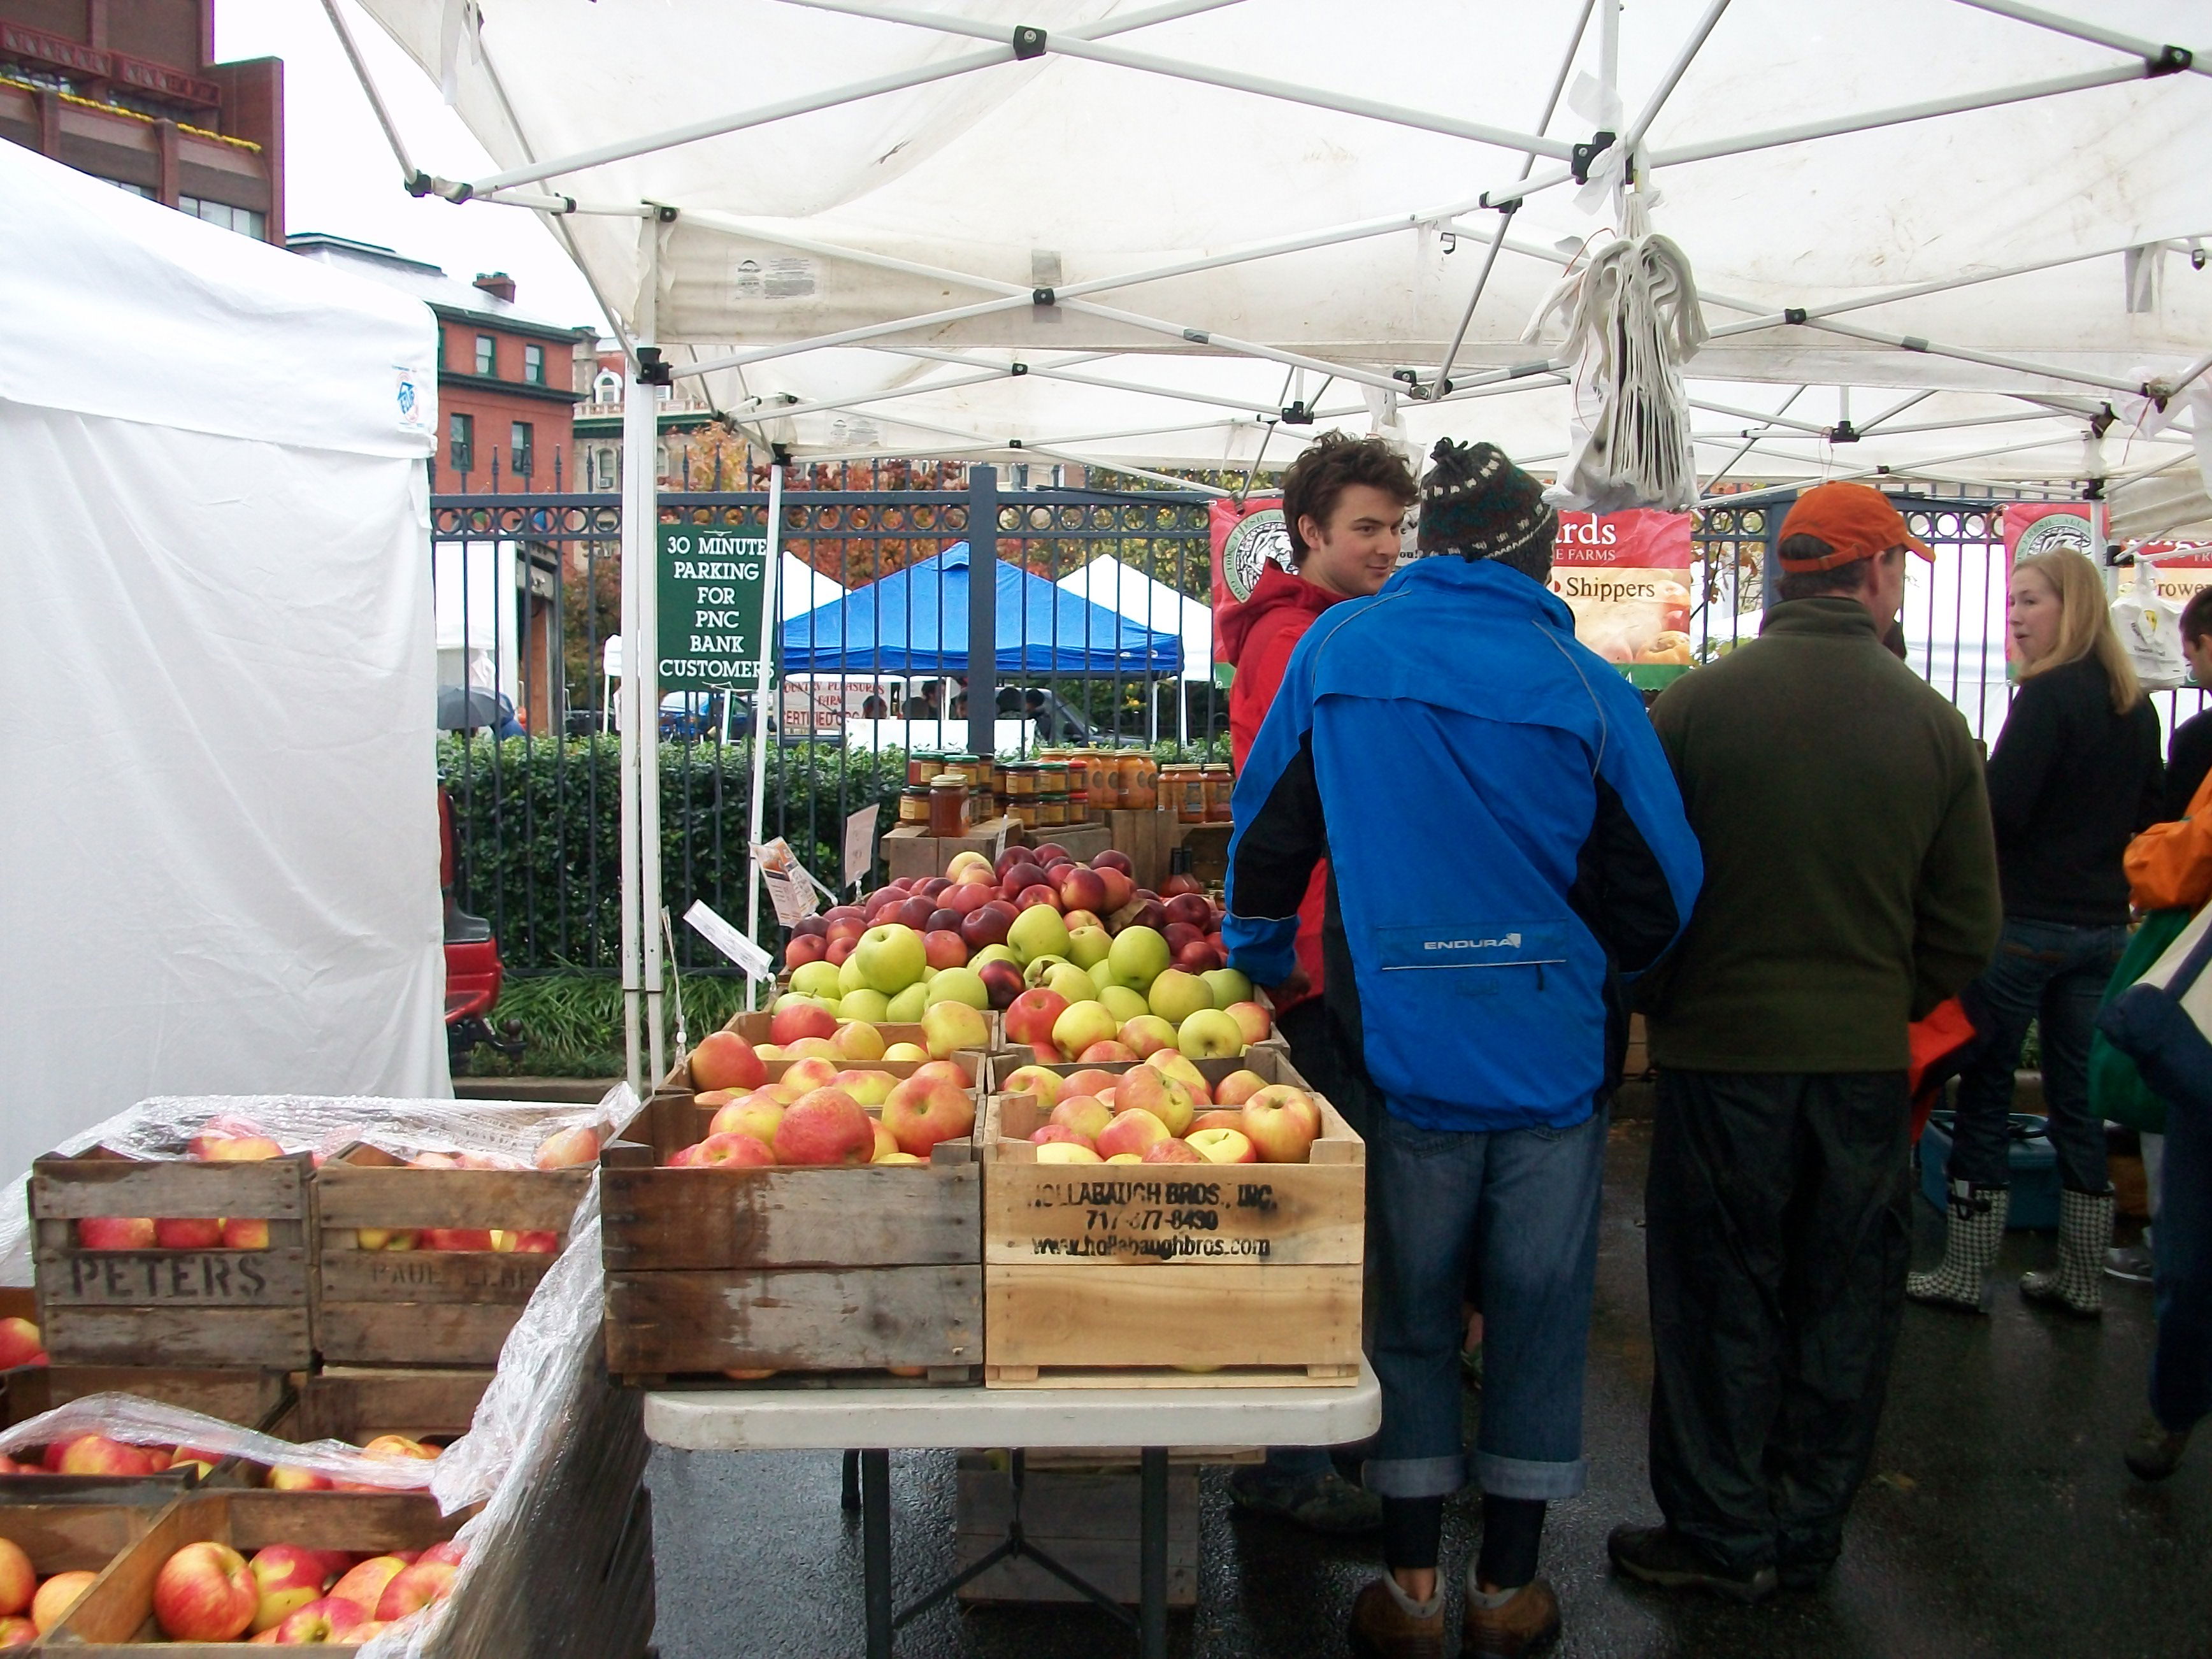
(921, 766)
(1129, 782)
(1023, 809)
(1098, 778)
(1021, 780)
(1051, 810)
(913, 807)
(948, 805)
(1220, 785)
(1183, 792)
(1078, 809)
(1052, 777)
(982, 804)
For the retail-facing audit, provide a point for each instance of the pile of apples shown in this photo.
(1162, 1112)
(286, 1477)
(819, 1111)
(210, 1145)
(565, 1149)
(95, 1454)
(291, 1596)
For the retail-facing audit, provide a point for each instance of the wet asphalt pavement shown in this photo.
(1999, 1521)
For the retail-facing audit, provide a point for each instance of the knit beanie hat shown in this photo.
(1476, 503)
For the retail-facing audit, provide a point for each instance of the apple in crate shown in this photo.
(187, 1233)
(869, 1088)
(1131, 1132)
(1031, 1016)
(1210, 1034)
(949, 1027)
(923, 1111)
(1222, 1147)
(1298, 1100)
(21, 1344)
(1172, 1150)
(244, 1233)
(1106, 1053)
(1252, 1019)
(825, 1126)
(1175, 996)
(285, 1478)
(1067, 1151)
(734, 1151)
(793, 1020)
(533, 1243)
(1062, 1134)
(326, 1620)
(1146, 1035)
(364, 1583)
(58, 1595)
(213, 1146)
(1038, 1080)
(204, 1593)
(724, 1060)
(19, 1580)
(568, 1149)
(289, 1577)
(1082, 1024)
(858, 1043)
(1084, 1113)
(415, 1588)
(1238, 1087)
(1279, 1132)
(116, 1232)
(757, 1115)
(811, 1074)
(95, 1454)
(456, 1238)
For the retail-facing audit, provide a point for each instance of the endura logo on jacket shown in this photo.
(1508, 941)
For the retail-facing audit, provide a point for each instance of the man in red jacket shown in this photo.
(1344, 509)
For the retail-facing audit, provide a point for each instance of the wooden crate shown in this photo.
(253, 1399)
(116, 1614)
(788, 1269)
(83, 1536)
(429, 1307)
(753, 1027)
(188, 1308)
(1173, 1275)
(1085, 1518)
(357, 1404)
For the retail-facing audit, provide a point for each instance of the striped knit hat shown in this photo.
(1476, 503)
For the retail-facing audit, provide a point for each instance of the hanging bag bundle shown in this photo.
(2150, 631)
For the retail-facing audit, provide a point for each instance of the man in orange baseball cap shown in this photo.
(1851, 886)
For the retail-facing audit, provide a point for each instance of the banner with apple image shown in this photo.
(1247, 537)
(1627, 577)
(2032, 527)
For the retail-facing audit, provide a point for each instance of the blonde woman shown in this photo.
(2075, 776)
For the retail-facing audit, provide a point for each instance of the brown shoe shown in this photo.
(1381, 1629)
(1530, 1623)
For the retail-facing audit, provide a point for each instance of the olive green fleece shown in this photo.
(1851, 872)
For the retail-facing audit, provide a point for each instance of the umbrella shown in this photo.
(465, 707)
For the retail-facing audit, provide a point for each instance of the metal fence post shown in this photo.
(982, 612)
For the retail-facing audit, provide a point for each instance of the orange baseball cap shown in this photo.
(1854, 519)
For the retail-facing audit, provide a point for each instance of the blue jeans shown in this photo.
(2058, 973)
(1527, 1199)
(2181, 1250)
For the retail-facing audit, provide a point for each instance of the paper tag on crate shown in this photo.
(729, 941)
(790, 886)
(860, 844)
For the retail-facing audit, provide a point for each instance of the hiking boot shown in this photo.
(2076, 1285)
(1970, 1243)
(1385, 1625)
(2130, 1263)
(1325, 1502)
(2156, 1451)
(1527, 1622)
(1660, 1556)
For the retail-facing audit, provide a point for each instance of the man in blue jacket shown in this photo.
(1507, 850)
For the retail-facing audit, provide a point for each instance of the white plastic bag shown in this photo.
(2150, 630)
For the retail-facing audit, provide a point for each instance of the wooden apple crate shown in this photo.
(429, 1307)
(188, 1308)
(1171, 1275)
(253, 1399)
(344, 1402)
(116, 1614)
(753, 1027)
(82, 1536)
(1086, 1518)
(815, 1270)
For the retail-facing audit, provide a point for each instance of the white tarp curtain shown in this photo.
(216, 657)
(1058, 170)
(1153, 605)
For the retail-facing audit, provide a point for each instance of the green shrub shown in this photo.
(572, 1023)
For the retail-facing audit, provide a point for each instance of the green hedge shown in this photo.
(572, 1023)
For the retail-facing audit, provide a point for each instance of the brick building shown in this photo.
(126, 90)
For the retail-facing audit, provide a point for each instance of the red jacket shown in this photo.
(1259, 637)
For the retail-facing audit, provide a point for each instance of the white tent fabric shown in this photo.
(923, 219)
(802, 588)
(216, 657)
(1150, 603)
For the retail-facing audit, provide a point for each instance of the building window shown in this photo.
(533, 364)
(146, 191)
(606, 471)
(245, 220)
(606, 387)
(461, 442)
(519, 447)
(487, 357)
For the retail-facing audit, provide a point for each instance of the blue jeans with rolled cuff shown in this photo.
(1524, 1203)
(2051, 971)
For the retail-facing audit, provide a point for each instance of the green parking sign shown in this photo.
(711, 584)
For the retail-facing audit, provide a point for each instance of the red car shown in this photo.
(473, 974)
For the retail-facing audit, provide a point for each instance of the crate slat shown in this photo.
(414, 1333)
(783, 1217)
(820, 1319)
(382, 1276)
(188, 1336)
(519, 1200)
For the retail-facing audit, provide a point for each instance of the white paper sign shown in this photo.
(790, 886)
(729, 941)
(860, 844)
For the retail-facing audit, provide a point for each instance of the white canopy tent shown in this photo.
(1153, 605)
(1950, 240)
(217, 661)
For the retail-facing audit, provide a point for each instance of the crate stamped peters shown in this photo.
(788, 1269)
(173, 1307)
(114, 1617)
(1182, 1275)
(432, 1307)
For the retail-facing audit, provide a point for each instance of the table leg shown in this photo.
(849, 1499)
(876, 1548)
(1152, 1553)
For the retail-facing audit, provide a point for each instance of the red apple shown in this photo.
(1131, 1132)
(803, 948)
(57, 1596)
(1064, 1134)
(825, 1126)
(1031, 1016)
(1037, 893)
(21, 1344)
(734, 1151)
(1190, 905)
(1180, 933)
(985, 926)
(1081, 889)
(180, 1233)
(812, 927)
(1113, 859)
(812, 1073)
(1177, 884)
(204, 1593)
(1297, 1100)
(757, 1115)
(1238, 1087)
(288, 1577)
(212, 1145)
(1252, 1019)
(1036, 1081)
(415, 1588)
(1200, 957)
(17, 1633)
(284, 1478)
(1050, 852)
(95, 1454)
(1084, 1114)
(1222, 1147)
(966, 898)
(327, 1619)
(1171, 1150)
(1091, 1081)
(841, 948)
(919, 1117)
(1026, 872)
(364, 1583)
(1106, 1052)
(724, 1060)
(805, 1019)
(19, 1580)
(943, 947)
(1220, 1117)
(949, 1071)
(455, 1238)
(1120, 887)
(914, 913)
(1279, 1132)
(116, 1232)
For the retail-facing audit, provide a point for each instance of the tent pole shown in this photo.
(770, 624)
(2019, 365)
(1673, 78)
(982, 612)
(2073, 28)
(641, 650)
(346, 43)
(1746, 450)
(1914, 470)
(638, 440)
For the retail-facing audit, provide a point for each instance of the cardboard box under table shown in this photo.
(1178, 1274)
(812, 1269)
(173, 1307)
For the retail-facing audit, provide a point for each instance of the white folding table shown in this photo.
(1146, 1420)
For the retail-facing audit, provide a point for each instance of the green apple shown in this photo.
(1038, 971)
(801, 999)
(848, 976)
(1122, 1003)
(965, 985)
(1038, 931)
(1072, 982)
(1089, 946)
(995, 953)
(1229, 986)
(815, 979)
(1139, 955)
(1175, 996)
(1082, 1024)
(890, 958)
(906, 1007)
(1210, 1034)
(872, 1006)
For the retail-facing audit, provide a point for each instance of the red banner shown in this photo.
(1246, 539)
(2032, 527)
(1627, 577)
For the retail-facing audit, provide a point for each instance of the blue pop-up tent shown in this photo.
(915, 621)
